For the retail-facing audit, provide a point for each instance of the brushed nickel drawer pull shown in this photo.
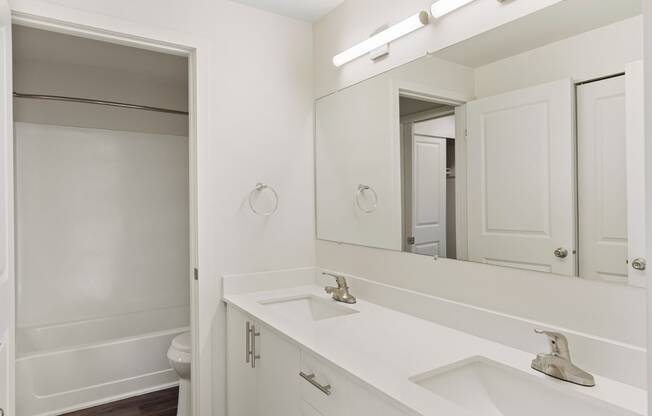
(310, 378)
(254, 356)
(248, 342)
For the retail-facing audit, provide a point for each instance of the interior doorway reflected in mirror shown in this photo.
(428, 177)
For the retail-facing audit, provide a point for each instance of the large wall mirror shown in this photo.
(522, 147)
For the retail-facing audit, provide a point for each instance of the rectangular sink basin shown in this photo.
(487, 388)
(307, 308)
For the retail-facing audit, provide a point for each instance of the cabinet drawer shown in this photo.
(307, 410)
(347, 397)
(328, 378)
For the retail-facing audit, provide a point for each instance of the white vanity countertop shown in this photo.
(384, 348)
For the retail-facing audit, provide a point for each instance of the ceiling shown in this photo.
(409, 106)
(308, 10)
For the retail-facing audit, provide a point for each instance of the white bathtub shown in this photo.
(75, 365)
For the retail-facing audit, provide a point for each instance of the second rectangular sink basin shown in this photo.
(308, 307)
(485, 387)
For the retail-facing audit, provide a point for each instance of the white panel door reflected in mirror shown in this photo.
(521, 147)
(428, 160)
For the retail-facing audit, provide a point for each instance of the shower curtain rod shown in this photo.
(98, 102)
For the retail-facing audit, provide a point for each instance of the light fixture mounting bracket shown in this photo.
(381, 51)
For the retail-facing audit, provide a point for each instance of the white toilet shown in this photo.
(179, 357)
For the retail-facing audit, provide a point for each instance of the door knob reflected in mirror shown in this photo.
(638, 264)
(561, 253)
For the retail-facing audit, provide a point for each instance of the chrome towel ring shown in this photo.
(260, 187)
(360, 193)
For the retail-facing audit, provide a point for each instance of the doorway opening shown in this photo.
(104, 219)
(428, 157)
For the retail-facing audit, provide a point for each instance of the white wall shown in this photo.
(599, 309)
(101, 223)
(353, 148)
(253, 122)
(437, 127)
(594, 54)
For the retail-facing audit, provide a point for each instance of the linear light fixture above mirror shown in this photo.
(443, 7)
(394, 32)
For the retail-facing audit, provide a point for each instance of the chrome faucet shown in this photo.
(341, 292)
(558, 362)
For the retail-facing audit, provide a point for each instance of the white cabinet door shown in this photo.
(277, 372)
(265, 382)
(273, 386)
(520, 178)
(7, 283)
(602, 180)
(429, 195)
(635, 132)
(240, 376)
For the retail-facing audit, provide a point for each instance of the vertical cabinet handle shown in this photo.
(254, 355)
(247, 342)
(250, 344)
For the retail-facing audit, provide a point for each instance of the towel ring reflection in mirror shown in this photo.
(360, 193)
(260, 187)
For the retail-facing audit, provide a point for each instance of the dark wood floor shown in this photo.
(158, 403)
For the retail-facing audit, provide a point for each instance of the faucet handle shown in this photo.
(558, 343)
(341, 280)
(341, 292)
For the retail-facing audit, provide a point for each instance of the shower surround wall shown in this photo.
(102, 222)
(102, 263)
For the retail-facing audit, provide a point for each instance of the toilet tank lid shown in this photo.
(182, 342)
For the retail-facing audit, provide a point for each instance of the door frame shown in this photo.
(458, 101)
(647, 69)
(405, 126)
(157, 45)
(580, 180)
(8, 278)
(636, 166)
